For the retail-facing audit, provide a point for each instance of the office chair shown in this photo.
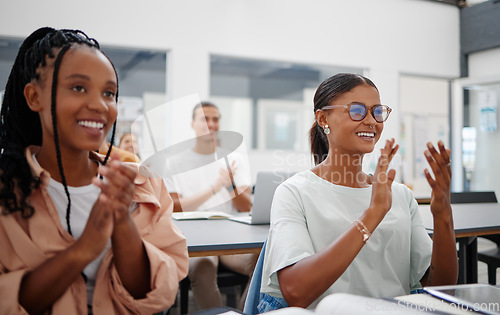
(253, 295)
(492, 256)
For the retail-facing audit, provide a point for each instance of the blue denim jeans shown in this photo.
(270, 303)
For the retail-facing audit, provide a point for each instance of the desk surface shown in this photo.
(222, 237)
(470, 219)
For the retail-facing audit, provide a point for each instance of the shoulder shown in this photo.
(185, 160)
(402, 193)
(233, 156)
(402, 189)
(297, 182)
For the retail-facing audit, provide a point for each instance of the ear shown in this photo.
(32, 96)
(321, 118)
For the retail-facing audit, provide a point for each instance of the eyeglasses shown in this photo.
(358, 111)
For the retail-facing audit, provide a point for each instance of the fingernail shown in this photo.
(427, 154)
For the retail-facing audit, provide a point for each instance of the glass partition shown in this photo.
(480, 137)
(269, 102)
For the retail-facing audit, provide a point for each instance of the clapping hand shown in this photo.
(224, 179)
(117, 190)
(439, 163)
(111, 208)
(382, 179)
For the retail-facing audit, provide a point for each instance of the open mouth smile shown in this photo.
(366, 134)
(91, 124)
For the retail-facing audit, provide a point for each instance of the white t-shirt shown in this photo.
(82, 200)
(189, 173)
(309, 213)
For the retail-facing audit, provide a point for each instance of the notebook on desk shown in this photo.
(265, 185)
(200, 215)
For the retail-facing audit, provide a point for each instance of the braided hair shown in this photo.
(20, 127)
(330, 89)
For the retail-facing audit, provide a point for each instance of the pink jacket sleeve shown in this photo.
(166, 249)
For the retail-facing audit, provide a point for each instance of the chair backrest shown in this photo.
(253, 295)
(495, 238)
(473, 197)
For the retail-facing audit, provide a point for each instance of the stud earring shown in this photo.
(326, 130)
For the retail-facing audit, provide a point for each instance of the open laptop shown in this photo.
(265, 185)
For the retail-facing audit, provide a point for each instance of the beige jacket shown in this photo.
(25, 244)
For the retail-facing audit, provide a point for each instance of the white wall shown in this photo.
(411, 36)
(386, 37)
(485, 64)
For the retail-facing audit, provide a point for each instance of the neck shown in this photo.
(79, 170)
(343, 169)
(204, 146)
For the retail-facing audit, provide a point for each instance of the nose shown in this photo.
(212, 125)
(98, 103)
(370, 120)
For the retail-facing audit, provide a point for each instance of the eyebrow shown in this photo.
(351, 103)
(86, 77)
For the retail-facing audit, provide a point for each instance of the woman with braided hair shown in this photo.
(78, 235)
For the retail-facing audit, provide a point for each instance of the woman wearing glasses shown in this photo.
(336, 229)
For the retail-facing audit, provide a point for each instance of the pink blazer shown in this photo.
(26, 243)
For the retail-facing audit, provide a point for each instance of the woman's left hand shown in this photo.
(129, 253)
(440, 184)
(118, 188)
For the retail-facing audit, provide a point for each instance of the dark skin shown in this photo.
(87, 88)
(304, 282)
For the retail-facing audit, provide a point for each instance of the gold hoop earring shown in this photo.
(326, 130)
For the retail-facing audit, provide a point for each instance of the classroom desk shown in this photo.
(222, 237)
(225, 237)
(471, 220)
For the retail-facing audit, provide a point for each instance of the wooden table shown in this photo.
(222, 237)
(471, 220)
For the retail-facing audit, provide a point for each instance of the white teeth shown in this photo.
(91, 124)
(366, 134)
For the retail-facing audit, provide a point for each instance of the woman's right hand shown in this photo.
(382, 179)
(111, 208)
(98, 229)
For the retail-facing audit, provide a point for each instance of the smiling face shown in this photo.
(206, 121)
(348, 136)
(129, 143)
(85, 99)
